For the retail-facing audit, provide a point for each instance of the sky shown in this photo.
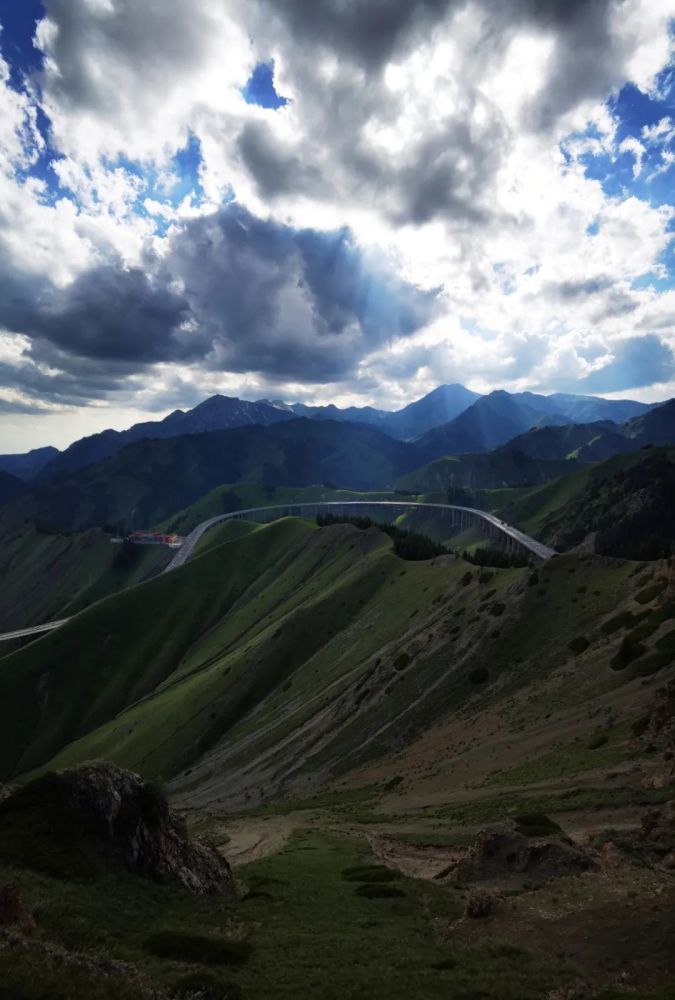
(347, 201)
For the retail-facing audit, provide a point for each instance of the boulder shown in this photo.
(14, 912)
(98, 812)
(499, 856)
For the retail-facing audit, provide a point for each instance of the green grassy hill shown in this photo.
(151, 480)
(627, 503)
(288, 654)
(46, 575)
(495, 470)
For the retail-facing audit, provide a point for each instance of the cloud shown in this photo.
(422, 209)
(232, 292)
(635, 362)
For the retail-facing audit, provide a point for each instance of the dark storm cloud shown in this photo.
(110, 314)
(15, 406)
(256, 296)
(282, 302)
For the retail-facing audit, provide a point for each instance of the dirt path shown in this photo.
(249, 839)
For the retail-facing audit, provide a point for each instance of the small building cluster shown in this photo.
(156, 538)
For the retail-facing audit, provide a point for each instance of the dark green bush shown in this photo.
(370, 873)
(402, 661)
(479, 675)
(651, 592)
(579, 644)
(626, 653)
(598, 740)
(181, 947)
(640, 725)
(536, 825)
(378, 891)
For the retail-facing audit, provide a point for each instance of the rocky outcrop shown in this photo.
(5, 792)
(657, 835)
(118, 816)
(14, 912)
(502, 856)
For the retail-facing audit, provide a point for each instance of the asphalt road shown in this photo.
(519, 537)
(185, 552)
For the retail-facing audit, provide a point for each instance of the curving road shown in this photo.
(34, 630)
(493, 524)
(462, 515)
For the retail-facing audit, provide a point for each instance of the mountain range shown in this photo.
(449, 420)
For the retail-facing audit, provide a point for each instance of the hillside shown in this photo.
(26, 466)
(46, 575)
(491, 421)
(575, 442)
(11, 487)
(626, 504)
(215, 413)
(149, 481)
(369, 742)
(505, 467)
(223, 659)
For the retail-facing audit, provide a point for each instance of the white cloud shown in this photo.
(450, 139)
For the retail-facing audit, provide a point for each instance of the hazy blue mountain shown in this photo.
(215, 413)
(582, 442)
(353, 414)
(438, 407)
(28, 465)
(491, 421)
(149, 480)
(11, 487)
(656, 427)
(589, 409)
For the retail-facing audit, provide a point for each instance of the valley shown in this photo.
(424, 757)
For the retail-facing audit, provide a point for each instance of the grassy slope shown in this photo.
(242, 495)
(496, 470)
(273, 661)
(548, 511)
(44, 576)
(312, 935)
(120, 649)
(149, 481)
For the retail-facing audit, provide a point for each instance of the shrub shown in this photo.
(378, 891)
(480, 903)
(466, 579)
(370, 873)
(598, 740)
(402, 661)
(649, 593)
(536, 825)
(198, 948)
(479, 675)
(626, 653)
(497, 609)
(579, 644)
(622, 620)
(640, 726)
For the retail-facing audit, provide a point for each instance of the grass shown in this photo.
(309, 933)
(46, 576)
(318, 937)
(601, 750)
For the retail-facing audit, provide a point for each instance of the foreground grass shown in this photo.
(318, 934)
(322, 920)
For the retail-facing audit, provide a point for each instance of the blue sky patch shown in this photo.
(260, 88)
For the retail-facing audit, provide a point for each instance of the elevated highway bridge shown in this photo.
(457, 517)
